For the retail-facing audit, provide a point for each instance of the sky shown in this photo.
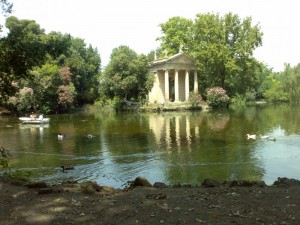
(107, 24)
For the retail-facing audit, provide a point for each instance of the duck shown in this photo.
(60, 136)
(251, 136)
(67, 168)
(89, 136)
(271, 139)
(264, 136)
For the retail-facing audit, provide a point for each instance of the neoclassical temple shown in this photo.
(175, 77)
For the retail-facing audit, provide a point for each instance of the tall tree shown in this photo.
(177, 34)
(222, 47)
(291, 82)
(126, 74)
(84, 63)
(22, 49)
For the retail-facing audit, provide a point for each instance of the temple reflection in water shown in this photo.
(175, 129)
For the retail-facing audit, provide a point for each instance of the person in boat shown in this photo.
(32, 115)
(41, 117)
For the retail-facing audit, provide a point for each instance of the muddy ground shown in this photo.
(213, 203)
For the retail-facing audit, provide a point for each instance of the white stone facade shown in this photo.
(172, 79)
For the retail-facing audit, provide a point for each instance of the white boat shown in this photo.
(39, 120)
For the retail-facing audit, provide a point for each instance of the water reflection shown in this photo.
(174, 130)
(201, 145)
(172, 147)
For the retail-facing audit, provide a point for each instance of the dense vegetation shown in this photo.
(45, 72)
(56, 72)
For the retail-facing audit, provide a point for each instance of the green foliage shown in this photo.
(25, 101)
(178, 33)
(60, 71)
(217, 97)
(221, 46)
(291, 82)
(238, 100)
(22, 49)
(84, 63)
(273, 89)
(126, 75)
(250, 96)
(195, 99)
(4, 162)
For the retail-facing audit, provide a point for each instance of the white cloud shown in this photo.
(106, 24)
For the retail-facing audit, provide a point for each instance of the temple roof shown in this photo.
(178, 61)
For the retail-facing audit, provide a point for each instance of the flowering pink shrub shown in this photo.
(25, 91)
(65, 74)
(217, 97)
(66, 95)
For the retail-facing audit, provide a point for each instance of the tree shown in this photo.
(221, 46)
(6, 6)
(126, 74)
(178, 33)
(84, 63)
(22, 49)
(291, 82)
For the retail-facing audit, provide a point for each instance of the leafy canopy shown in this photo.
(22, 49)
(126, 74)
(221, 46)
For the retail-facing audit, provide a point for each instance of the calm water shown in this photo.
(172, 147)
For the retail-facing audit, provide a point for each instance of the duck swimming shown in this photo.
(89, 136)
(251, 136)
(264, 136)
(60, 136)
(67, 168)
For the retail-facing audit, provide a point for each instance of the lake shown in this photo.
(170, 147)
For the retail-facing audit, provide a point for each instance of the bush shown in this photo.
(4, 162)
(217, 97)
(238, 100)
(195, 99)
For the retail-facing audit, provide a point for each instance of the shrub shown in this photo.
(217, 97)
(195, 99)
(238, 100)
(4, 162)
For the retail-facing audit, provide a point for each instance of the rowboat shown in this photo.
(29, 120)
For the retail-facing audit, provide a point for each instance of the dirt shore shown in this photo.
(89, 203)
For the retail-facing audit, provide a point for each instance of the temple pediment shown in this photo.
(180, 61)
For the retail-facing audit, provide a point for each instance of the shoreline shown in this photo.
(237, 202)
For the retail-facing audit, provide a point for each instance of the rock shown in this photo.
(159, 185)
(90, 187)
(37, 185)
(141, 181)
(107, 189)
(286, 182)
(210, 183)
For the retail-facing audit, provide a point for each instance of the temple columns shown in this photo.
(195, 82)
(181, 86)
(167, 85)
(187, 85)
(176, 89)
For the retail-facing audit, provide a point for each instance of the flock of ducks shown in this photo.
(266, 137)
